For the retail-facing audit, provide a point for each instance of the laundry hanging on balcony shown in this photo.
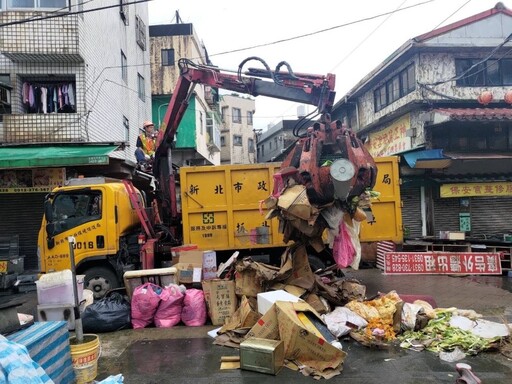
(49, 97)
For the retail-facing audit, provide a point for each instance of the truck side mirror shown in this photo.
(48, 211)
(50, 230)
(50, 241)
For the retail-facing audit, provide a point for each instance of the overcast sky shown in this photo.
(347, 38)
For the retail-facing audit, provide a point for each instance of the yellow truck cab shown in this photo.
(98, 213)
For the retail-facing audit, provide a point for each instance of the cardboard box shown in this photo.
(282, 323)
(176, 251)
(190, 267)
(221, 299)
(262, 355)
(209, 265)
(267, 299)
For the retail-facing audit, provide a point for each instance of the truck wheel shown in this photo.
(316, 263)
(100, 280)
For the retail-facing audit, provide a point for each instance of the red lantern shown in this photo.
(485, 97)
(508, 97)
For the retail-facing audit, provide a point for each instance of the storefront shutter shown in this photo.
(411, 211)
(490, 217)
(21, 215)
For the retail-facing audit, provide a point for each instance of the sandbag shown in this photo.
(194, 308)
(168, 313)
(145, 300)
(109, 314)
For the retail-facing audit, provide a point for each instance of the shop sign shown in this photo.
(447, 263)
(392, 139)
(36, 180)
(476, 189)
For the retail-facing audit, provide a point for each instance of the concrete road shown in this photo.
(187, 354)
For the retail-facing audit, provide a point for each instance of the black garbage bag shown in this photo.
(111, 313)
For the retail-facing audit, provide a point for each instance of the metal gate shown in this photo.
(490, 217)
(21, 215)
(446, 215)
(411, 211)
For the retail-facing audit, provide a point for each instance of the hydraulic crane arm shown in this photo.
(310, 89)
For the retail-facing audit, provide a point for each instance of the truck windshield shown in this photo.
(71, 209)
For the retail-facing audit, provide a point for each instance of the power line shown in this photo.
(321, 30)
(453, 13)
(369, 35)
(53, 16)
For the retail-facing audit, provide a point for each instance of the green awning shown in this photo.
(54, 156)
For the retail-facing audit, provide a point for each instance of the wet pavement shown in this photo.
(187, 354)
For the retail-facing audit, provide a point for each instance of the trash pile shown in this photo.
(311, 314)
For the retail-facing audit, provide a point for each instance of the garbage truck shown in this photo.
(117, 227)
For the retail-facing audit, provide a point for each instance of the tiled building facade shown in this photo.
(72, 77)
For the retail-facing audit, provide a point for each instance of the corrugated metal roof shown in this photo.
(476, 114)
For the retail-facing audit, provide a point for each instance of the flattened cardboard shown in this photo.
(294, 200)
(282, 323)
(302, 275)
(221, 299)
(252, 277)
(244, 317)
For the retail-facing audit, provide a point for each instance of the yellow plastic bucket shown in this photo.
(85, 357)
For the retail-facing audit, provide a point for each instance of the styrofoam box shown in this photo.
(56, 288)
(57, 312)
(267, 299)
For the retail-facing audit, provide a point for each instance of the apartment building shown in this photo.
(238, 137)
(197, 141)
(74, 90)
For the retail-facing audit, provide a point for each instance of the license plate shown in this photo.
(3, 266)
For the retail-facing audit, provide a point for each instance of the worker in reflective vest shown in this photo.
(146, 143)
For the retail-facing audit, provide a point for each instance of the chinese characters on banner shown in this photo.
(31, 180)
(476, 189)
(450, 263)
(390, 140)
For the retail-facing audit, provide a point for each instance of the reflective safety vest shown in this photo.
(148, 145)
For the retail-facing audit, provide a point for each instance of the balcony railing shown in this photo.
(54, 39)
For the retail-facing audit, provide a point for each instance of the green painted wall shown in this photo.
(186, 137)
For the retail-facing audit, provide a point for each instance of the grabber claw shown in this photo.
(466, 374)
